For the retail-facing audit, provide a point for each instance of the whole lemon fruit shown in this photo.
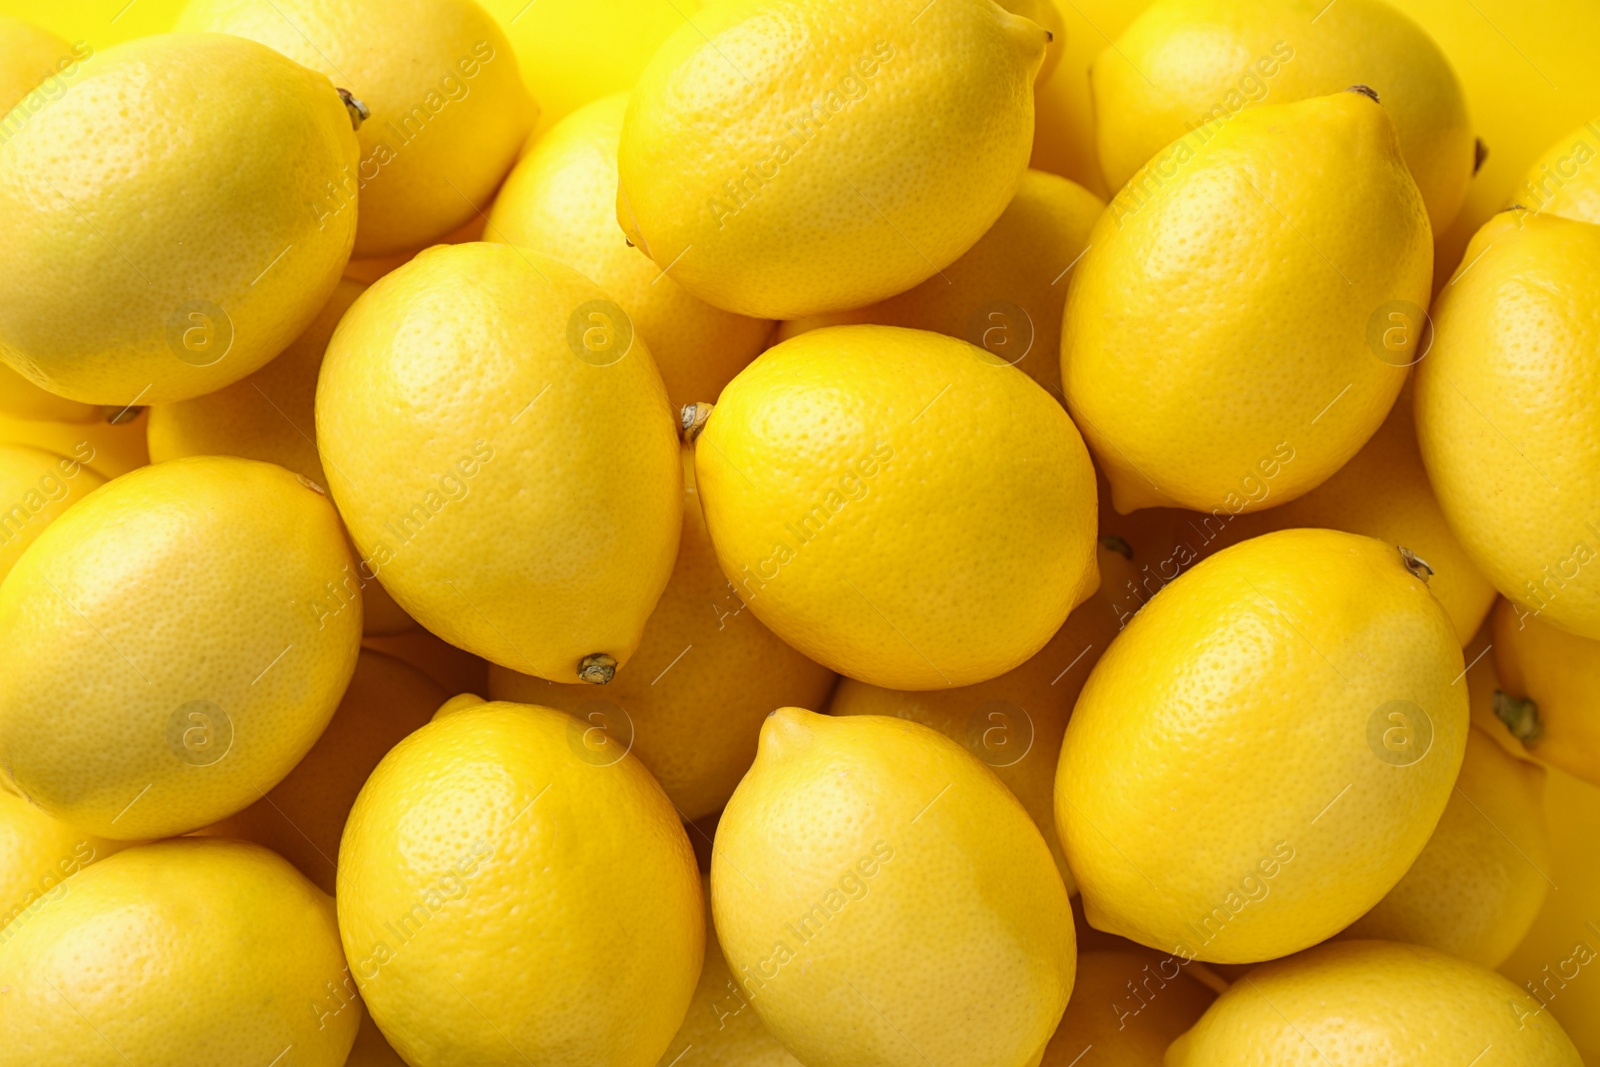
(1565, 180)
(707, 674)
(1006, 293)
(218, 952)
(1127, 1006)
(884, 900)
(154, 222)
(562, 200)
(447, 107)
(777, 157)
(1264, 750)
(853, 478)
(501, 449)
(1219, 331)
(1372, 1002)
(1479, 881)
(110, 448)
(35, 488)
(1191, 66)
(1508, 416)
(38, 853)
(505, 896)
(1549, 693)
(169, 657)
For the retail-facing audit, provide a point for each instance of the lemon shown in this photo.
(1548, 694)
(778, 159)
(1127, 1005)
(706, 675)
(448, 110)
(1372, 1002)
(562, 200)
(21, 399)
(506, 895)
(1264, 750)
(302, 816)
(1506, 415)
(1478, 883)
(501, 449)
(1565, 180)
(853, 478)
(1556, 962)
(452, 669)
(1189, 67)
(35, 488)
(172, 646)
(1063, 131)
(111, 449)
(154, 219)
(38, 853)
(884, 900)
(210, 953)
(29, 56)
(1006, 293)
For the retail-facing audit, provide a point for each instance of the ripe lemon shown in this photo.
(171, 654)
(35, 488)
(504, 456)
(1187, 64)
(1565, 180)
(692, 700)
(562, 200)
(1127, 1006)
(302, 816)
(778, 158)
(1479, 881)
(1264, 750)
(447, 107)
(38, 853)
(1507, 417)
(1372, 1002)
(853, 480)
(1063, 132)
(1549, 695)
(884, 900)
(109, 448)
(170, 205)
(1006, 293)
(506, 896)
(1221, 347)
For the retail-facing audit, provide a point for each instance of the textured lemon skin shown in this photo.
(1560, 673)
(38, 853)
(1216, 332)
(1479, 881)
(705, 677)
(199, 580)
(21, 399)
(110, 449)
(1507, 417)
(519, 501)
(448, 110)
(562, 200)
(1218, 795)
(1021, 264)
(779, 158)
(1372, 1002)
(1204, 60)
(884, 900)
(1127, 1006)
(208, 953)
(551, 896)
(155, 222)
(35, 488)
(1565, 180)
(852, 478)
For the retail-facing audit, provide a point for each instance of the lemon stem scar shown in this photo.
(1480, 152)
(359, 112)
(597, 668)
(1367, 91)
(1116, 544)
(1418, 566)
(693, 419)
(1520, 716)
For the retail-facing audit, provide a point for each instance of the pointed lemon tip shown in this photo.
(457, 703)
(787, 730)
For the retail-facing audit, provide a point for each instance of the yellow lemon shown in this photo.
(777, 156)
(21, 399)
(35, 488)
(505, 896)
(218, 952)
(1264, 750)
(1507, 417)
(1191, 66)
(302, 816)
(562, 200)
(110, 448)
(28, 57)
(513, 482)
(1064, 127)
(1479, 881)
(1127, 1006)
(853, 479)
(454, 670)
(1006, 293)
(1371, 1002)
(1221, 344)
(447, 110)
(168, 656)
(884, 900)
(38, 853)
(707, 674)
(1565, 180)
(148, 266)
(1549, 698)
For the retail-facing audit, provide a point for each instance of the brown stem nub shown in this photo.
(597, 668)
(1480, 152)
(358, 111)
(1116, 544)
(1418, 566)
(1366, 91)
(116, 416)
(1520, 716)
(693, 419)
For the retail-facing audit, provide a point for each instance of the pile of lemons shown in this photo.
(844, 533)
